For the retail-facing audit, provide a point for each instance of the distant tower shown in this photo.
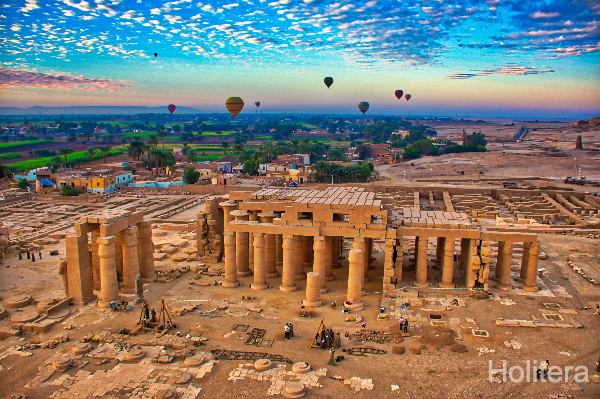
(579, 143)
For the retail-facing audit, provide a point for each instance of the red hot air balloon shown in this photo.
(407, 97)
(171, 108)
(398, 94)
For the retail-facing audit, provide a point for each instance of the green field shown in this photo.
(21, 143)
(43, 161)
(223, 133)
(11, 155)
(209, 157)
(307, 125)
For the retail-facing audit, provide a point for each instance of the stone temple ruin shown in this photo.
(120, 251)
(291, 234)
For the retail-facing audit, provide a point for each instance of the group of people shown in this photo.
(119, 306)
(288, 330)
(403, 324)
(325, 340)
(149, 315)
(30, 255)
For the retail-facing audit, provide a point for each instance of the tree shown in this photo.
(135, 149)
(225, 145)
(65, 152)
(72, 137)
(191, 154)
(104, 150)
(190, 175)
(162, 133)
(156, 154)
(153, 141)
(90, 152)
(69, 191)
(238, 147)
(23, 184)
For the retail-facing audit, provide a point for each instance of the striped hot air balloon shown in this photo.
(234, 105)
(363, 106)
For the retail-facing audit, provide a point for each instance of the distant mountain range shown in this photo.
(94, 110)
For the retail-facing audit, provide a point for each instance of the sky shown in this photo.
(483, 58)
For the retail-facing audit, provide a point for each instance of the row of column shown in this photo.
(445, 262)
(134, 254)
(293, 252)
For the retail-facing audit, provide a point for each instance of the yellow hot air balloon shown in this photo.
(234, 105)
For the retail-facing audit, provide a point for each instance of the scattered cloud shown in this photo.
(19, 79)
(510, 70)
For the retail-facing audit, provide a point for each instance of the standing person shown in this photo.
(338, 340)
(291, 329)
(20, 256)
(40, 254)
(363, 326)
(286, 330)
(28, 255)
(401, 322)
(405, 325)
(33, 257)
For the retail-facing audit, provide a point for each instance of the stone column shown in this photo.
(465, 252)
(313, 299)
(231, 280)
(359, 244)
(241, 246)
(299, 257)
(228, 207)
(355, 279)
(308, 248)
(119, 256)
(109, 285)
(269, 250)
(499, 256)
(279, 249)
(319, 263)
(368, 244)
(288, 281)
(328, 261)
(131, 265)
(335, 252)
(253, 218)
(146, 252)
(95, 260)
(421, 274)
(399, 259)
(447, 263)
(524, 262)
(369, 249)
(388, 268)
(439, 252)
(531, 278)
(506, 264)
(260, 271)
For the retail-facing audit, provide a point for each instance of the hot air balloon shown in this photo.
(234, 106)
(363, 106)
(156, 54)
(328, 81)
(257, 103)
(407, 97)
(171, 108)
(398, 94)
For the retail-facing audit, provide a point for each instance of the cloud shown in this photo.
(539, 14)
(510, 70)
(19, 79)
(31, 5)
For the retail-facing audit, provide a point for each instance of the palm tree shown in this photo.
(238, 147)
(104, 150)
(54, 164)
(156, 154)
(191, 154)
(65, 151)
(135, 149)
(225, 145)
(185, 148)
(90, 152)
(153, 140)
(162, 133)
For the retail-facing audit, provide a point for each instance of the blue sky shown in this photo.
(509, 57)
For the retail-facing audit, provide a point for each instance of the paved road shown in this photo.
(521, 131)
